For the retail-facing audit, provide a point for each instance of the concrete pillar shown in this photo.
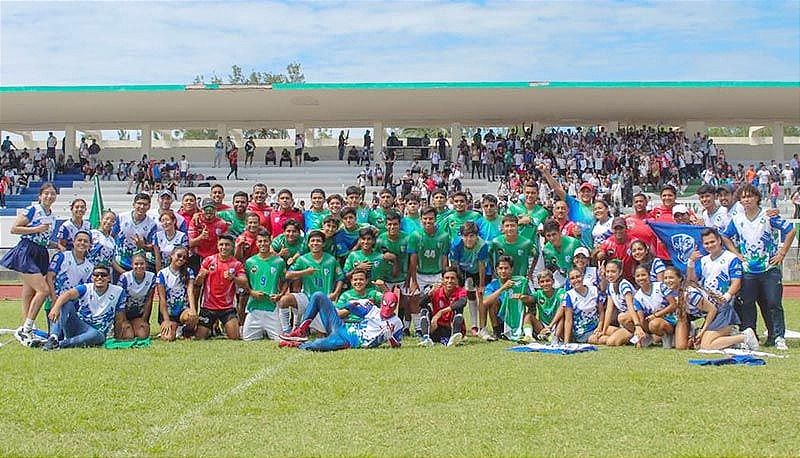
(693, 127)
(377, 137)
(777, 142)
(69, 140)
(147, 139)
(536, 127)
(455, 138)
(222, 130)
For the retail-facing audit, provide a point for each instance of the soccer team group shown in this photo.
(359, 277)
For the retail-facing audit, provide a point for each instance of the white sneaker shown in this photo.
(750, 340)
(455, 339)
(486, 335)
(667, 341)
(780, 344)
(426, 342)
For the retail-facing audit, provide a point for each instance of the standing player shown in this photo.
(713, 215)
(428, 251)
(134, 231)
(30, 258)
(284, 213)
(395, 244)
(411, 220)
(246, 243)
(167, 238)
(219, 276)
(288, 245)
(355, 201)
(377, 217)
(237, 216)
(530, 213)
(70, 227)
(491, 223)
(439, 204)
(316, 214)
(367, 258)
(204, 233)
(558, 252)
(459, 216)
(259, 205)
(139, 286)
(580, 211)
(470, 254)
(441, 312)
(510, 243)
(265, 272)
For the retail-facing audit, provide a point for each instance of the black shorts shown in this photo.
(298, 152)
(208, 317)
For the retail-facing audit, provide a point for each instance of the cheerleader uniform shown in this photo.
(30, 255)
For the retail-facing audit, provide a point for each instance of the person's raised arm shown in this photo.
(552, 182)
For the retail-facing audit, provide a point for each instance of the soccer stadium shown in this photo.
(444, 260)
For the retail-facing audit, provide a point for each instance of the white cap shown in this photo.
(680, 208)
(581, 250)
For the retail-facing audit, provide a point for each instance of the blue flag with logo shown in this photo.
(680, 239)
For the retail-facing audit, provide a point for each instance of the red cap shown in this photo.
(587, 185)
(388, 304)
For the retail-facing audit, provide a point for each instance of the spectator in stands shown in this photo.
(219, 151)
(94, 151)
(52, 142)
(249, 151)
(270, 156)
(286, 156)
(8, 145)
(299, 143)
(233, 161)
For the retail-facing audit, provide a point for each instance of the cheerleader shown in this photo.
(167, 238)
(621, 320)
(654, 309)
(175, 286)
(641, 254)
(103, 250)
(139, 286)
(67, 231)
(34, 225)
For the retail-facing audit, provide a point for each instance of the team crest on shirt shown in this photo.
(683, 246)
(254, 269)
(212, 267)
(326, 272)
(272, 270)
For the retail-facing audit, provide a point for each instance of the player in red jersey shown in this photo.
(220, 275)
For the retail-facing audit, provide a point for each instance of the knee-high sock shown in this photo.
(285, 318)
(424, 323)
(458, 323)
(473, 312)
(415, 320)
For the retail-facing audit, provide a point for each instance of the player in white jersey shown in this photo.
(719, 317)
(165, 199)
(139, 286)
(83, 316)
(29, 257)
(654, 309)
(620, 321)
(134, 231)
(68, 229)
(69, 269)
(376, 325)
(713, 215)
(166, 239)
(582, 312)
(176, 296)
(104, 246)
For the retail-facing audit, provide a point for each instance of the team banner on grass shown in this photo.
(681, 241)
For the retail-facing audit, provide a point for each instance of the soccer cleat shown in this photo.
(780, 344)
(426, 342)
(23, 337)
(750, 340)
(455, 339)
(289, 344)
(51, 344)
(474, 331)
(299, 334)
(527, 339)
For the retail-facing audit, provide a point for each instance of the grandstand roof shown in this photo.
(401, 104)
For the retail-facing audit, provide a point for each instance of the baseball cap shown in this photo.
(680, 208)
(581, 251)
(586, 185)
(388, 304)
(725, 188)
(207, 202)
(166, 192)
(619, 221)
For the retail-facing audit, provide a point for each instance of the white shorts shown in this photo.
(302, 305)
(261, 324)
(426, 280)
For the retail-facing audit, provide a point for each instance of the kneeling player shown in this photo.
(375, 325)
(511, 294)
(441, 308)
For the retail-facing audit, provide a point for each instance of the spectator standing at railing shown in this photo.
(52, 142)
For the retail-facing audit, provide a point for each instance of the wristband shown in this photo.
(727, 297)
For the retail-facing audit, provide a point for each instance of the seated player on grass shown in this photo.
(582, 311)
(319, 272)
(266, 272)
(620, 319)
(718, 320)
(509, 295)
(83, 316)
(139, 287)
(177, 302)
(441, 312)
(655, 311)
(375, 324)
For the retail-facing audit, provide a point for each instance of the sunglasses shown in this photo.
(100, 274)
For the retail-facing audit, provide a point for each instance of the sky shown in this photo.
(72, 43)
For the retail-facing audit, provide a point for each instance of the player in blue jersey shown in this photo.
(29, 257)
(470, 254)
(83, 316)
(70, 227)
(376, 324)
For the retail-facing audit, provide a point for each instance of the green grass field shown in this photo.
(221, 398)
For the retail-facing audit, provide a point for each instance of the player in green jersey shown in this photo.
(330, 226)
(428, 251)
(470, 254)
(377, 217)
(558, 251)
(236, 217)
(545, 317)
(395, 244)
(439, 203)
(265, 272)
(361, 290)
(335, 204)
(460, 215)
(490, 225)
(367, 257)
(319, 272)
(530, 213)
(510, 243)
(355, 200)
(289, 245)
(509, 295)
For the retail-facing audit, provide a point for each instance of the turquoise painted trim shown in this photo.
(426, 85)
